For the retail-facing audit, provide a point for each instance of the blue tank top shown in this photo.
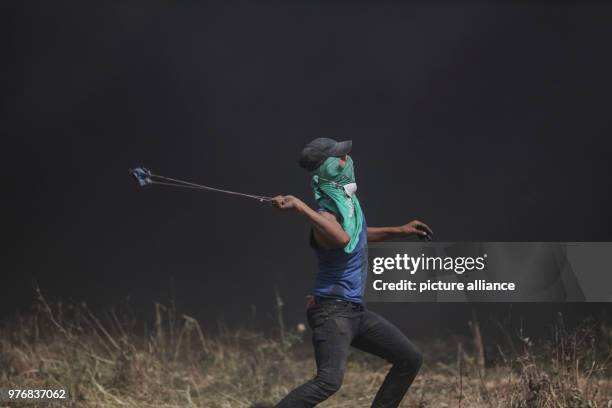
(342, 275)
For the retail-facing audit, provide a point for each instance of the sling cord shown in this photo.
(186, 184)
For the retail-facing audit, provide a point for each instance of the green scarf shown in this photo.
(327, 186)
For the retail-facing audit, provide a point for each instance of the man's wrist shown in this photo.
(300, 206)
(398, 231)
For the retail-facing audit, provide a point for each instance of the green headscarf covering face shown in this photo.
(333, 187)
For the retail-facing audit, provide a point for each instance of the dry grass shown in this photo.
(175, 364)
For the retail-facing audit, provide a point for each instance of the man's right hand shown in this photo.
(287, 202)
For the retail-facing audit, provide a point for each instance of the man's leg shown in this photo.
(331, 339)
(379, 337)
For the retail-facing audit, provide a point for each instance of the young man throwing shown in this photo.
(336, 313)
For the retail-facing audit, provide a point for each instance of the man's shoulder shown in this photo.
(327, 213)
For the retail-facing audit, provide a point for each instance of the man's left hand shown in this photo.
(417, 228)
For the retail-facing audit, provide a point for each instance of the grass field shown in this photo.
(115, 361)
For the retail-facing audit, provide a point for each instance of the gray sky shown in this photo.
(487, 121)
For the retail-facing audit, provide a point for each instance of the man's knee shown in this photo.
(410, 362)
(417, 359)
(329, 381)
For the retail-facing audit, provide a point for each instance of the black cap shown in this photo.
(315, 152)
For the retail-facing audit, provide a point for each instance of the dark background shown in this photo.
(487, 121)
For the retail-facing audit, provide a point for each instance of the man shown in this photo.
(336, 313)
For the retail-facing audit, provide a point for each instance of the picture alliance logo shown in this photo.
(413, 264)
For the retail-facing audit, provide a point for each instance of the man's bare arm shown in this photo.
(328, 231)
(416, 227)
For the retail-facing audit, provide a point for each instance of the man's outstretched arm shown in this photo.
(416, 227)
(328, 231)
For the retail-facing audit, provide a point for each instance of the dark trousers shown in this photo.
(337, 326)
